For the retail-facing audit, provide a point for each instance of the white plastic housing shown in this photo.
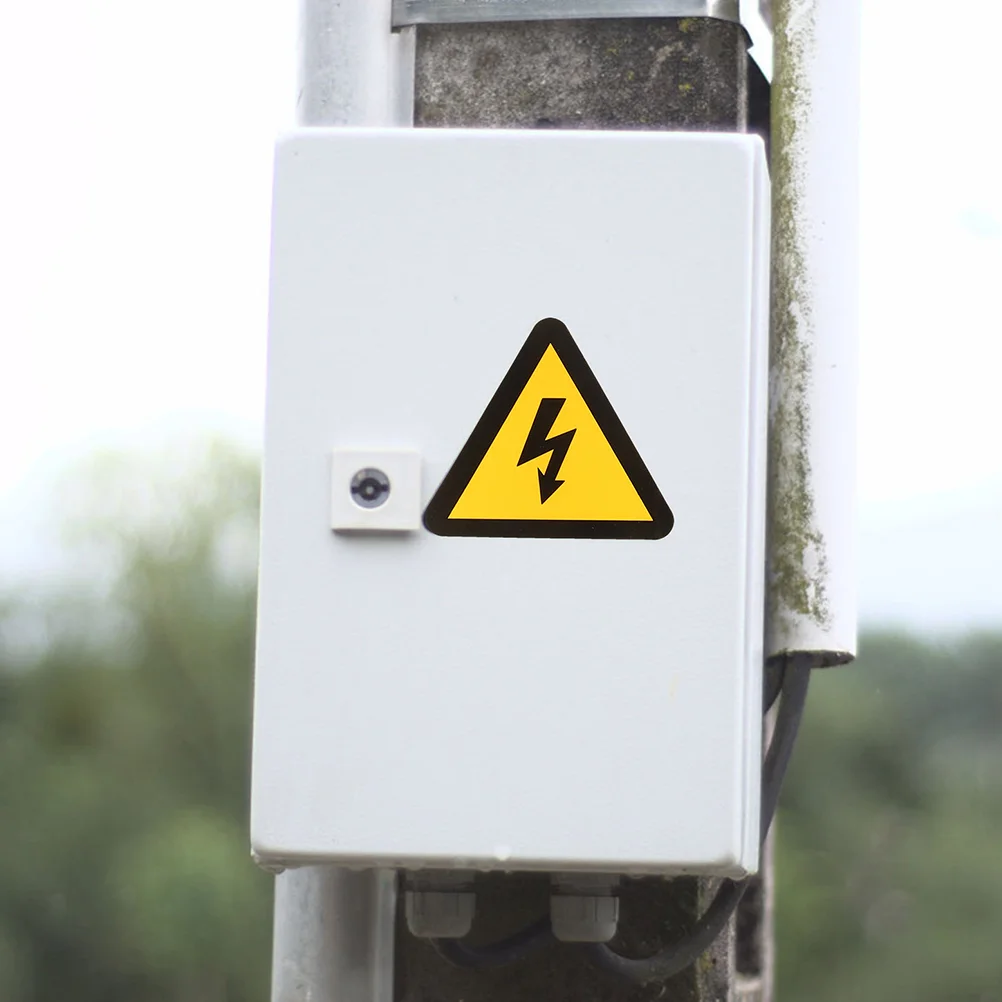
(513, 703)
(813, 600)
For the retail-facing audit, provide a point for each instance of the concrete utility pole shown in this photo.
(601, 64)
(610, 73)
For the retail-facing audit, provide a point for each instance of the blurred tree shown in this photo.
(124, 749)
(890, 874)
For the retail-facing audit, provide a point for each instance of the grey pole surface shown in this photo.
(638, 73)
(333, 938)
(352, 69)
(334, 928)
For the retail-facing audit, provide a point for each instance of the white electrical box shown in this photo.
(511, 592)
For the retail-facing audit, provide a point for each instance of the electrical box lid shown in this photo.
(511, 587)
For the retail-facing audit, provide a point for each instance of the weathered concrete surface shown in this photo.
(681, 74)
(688, 73)
(798, 559)
(814, 331)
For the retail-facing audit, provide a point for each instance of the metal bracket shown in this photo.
(406, 12)
(749, 13)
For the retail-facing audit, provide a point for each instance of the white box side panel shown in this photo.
(512, 703)
(758, 445)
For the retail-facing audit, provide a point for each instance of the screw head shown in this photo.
(370, 488)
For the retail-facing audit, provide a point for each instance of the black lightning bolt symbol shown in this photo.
(537, 444)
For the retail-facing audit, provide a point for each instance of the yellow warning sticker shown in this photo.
(549, 458)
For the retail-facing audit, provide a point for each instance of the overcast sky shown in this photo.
(134, 202)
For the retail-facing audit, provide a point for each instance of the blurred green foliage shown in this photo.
(890, 841)
(125, 873)
(124, 748)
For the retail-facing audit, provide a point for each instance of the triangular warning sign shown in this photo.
(549, 458)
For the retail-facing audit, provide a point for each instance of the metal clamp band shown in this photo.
(406, 12)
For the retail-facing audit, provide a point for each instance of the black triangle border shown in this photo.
(547, 332)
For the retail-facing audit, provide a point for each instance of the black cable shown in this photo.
(772, 683)
(796, 681)
(678, 956)
(793, 680)
(507, 951)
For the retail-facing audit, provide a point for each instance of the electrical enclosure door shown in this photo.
(511, 586)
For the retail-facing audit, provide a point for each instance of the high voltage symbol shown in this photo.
(537, 445)
(593, 483)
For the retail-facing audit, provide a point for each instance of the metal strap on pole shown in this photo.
(406, 12)
(748, 13)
